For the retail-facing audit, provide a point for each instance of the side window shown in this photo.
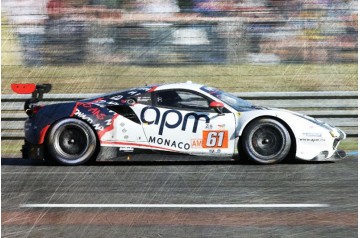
(183, 100)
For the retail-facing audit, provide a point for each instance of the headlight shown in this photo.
(334, 133)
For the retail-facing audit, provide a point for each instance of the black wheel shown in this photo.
(266, 141)
(72, 142)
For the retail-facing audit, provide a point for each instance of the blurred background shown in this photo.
(183, 32)
(237, 45)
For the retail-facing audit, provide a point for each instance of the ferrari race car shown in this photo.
(173, 119)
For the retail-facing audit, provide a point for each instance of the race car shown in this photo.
(173, 119)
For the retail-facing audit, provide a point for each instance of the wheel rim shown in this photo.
(72, 140)
(267, 141)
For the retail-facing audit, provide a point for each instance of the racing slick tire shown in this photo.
(266, 141)
(72, 142)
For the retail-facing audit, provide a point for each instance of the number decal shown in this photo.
(211, 139)
(215, 139)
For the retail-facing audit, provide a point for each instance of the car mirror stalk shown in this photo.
(218, 107)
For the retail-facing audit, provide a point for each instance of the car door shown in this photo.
(124, 129)
(182, 121)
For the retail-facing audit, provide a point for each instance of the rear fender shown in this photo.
(38, 124)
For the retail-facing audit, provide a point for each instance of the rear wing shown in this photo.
(37, 92)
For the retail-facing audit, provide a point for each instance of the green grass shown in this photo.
(11, 148)
(233, 78)
(349, 144)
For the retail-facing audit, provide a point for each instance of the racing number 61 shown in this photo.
(215, 139)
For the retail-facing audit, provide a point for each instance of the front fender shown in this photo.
(311, 139)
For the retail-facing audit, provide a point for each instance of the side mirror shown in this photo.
(218, 106)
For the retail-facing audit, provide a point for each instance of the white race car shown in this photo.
(182, 118)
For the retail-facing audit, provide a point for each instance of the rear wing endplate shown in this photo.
(37, 91)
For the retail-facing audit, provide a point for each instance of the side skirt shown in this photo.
(115, 154)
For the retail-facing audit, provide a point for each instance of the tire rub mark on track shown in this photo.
(287, 218)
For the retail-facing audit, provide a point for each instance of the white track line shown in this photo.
(291, 205)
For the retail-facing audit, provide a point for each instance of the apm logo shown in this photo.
(163, 119)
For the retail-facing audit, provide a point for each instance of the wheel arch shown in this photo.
(293, 147)
(63, 118)
(45, 131)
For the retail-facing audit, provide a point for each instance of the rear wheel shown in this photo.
(266, 141)
(72, 142)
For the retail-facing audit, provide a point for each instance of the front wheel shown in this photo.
(72, 142)
(266, 141)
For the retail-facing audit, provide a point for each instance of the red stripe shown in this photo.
(136, 144)
(109, 128)
(181, 218)
(74, 110)
(42, 134)
(152, 89)
(98, 99)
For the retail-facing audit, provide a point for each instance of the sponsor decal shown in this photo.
(312, 140)
(117, 97)
(113, 103)
(312, 134)
(215, 139)
(135, 145)
(162, 119)
(144, 99)
(120, 98)
(92, 110)
(130, 93)
(126, 149)
(196, 143)
(100, 118)
(135, 92)
(85, 117)
(169, 143)
(213, 151)
(208, 126)
(99, 102)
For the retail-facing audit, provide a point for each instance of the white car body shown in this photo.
(213, 133)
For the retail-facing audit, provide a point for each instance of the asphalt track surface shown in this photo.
(334, 185)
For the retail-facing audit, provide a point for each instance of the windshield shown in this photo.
(230, 99)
